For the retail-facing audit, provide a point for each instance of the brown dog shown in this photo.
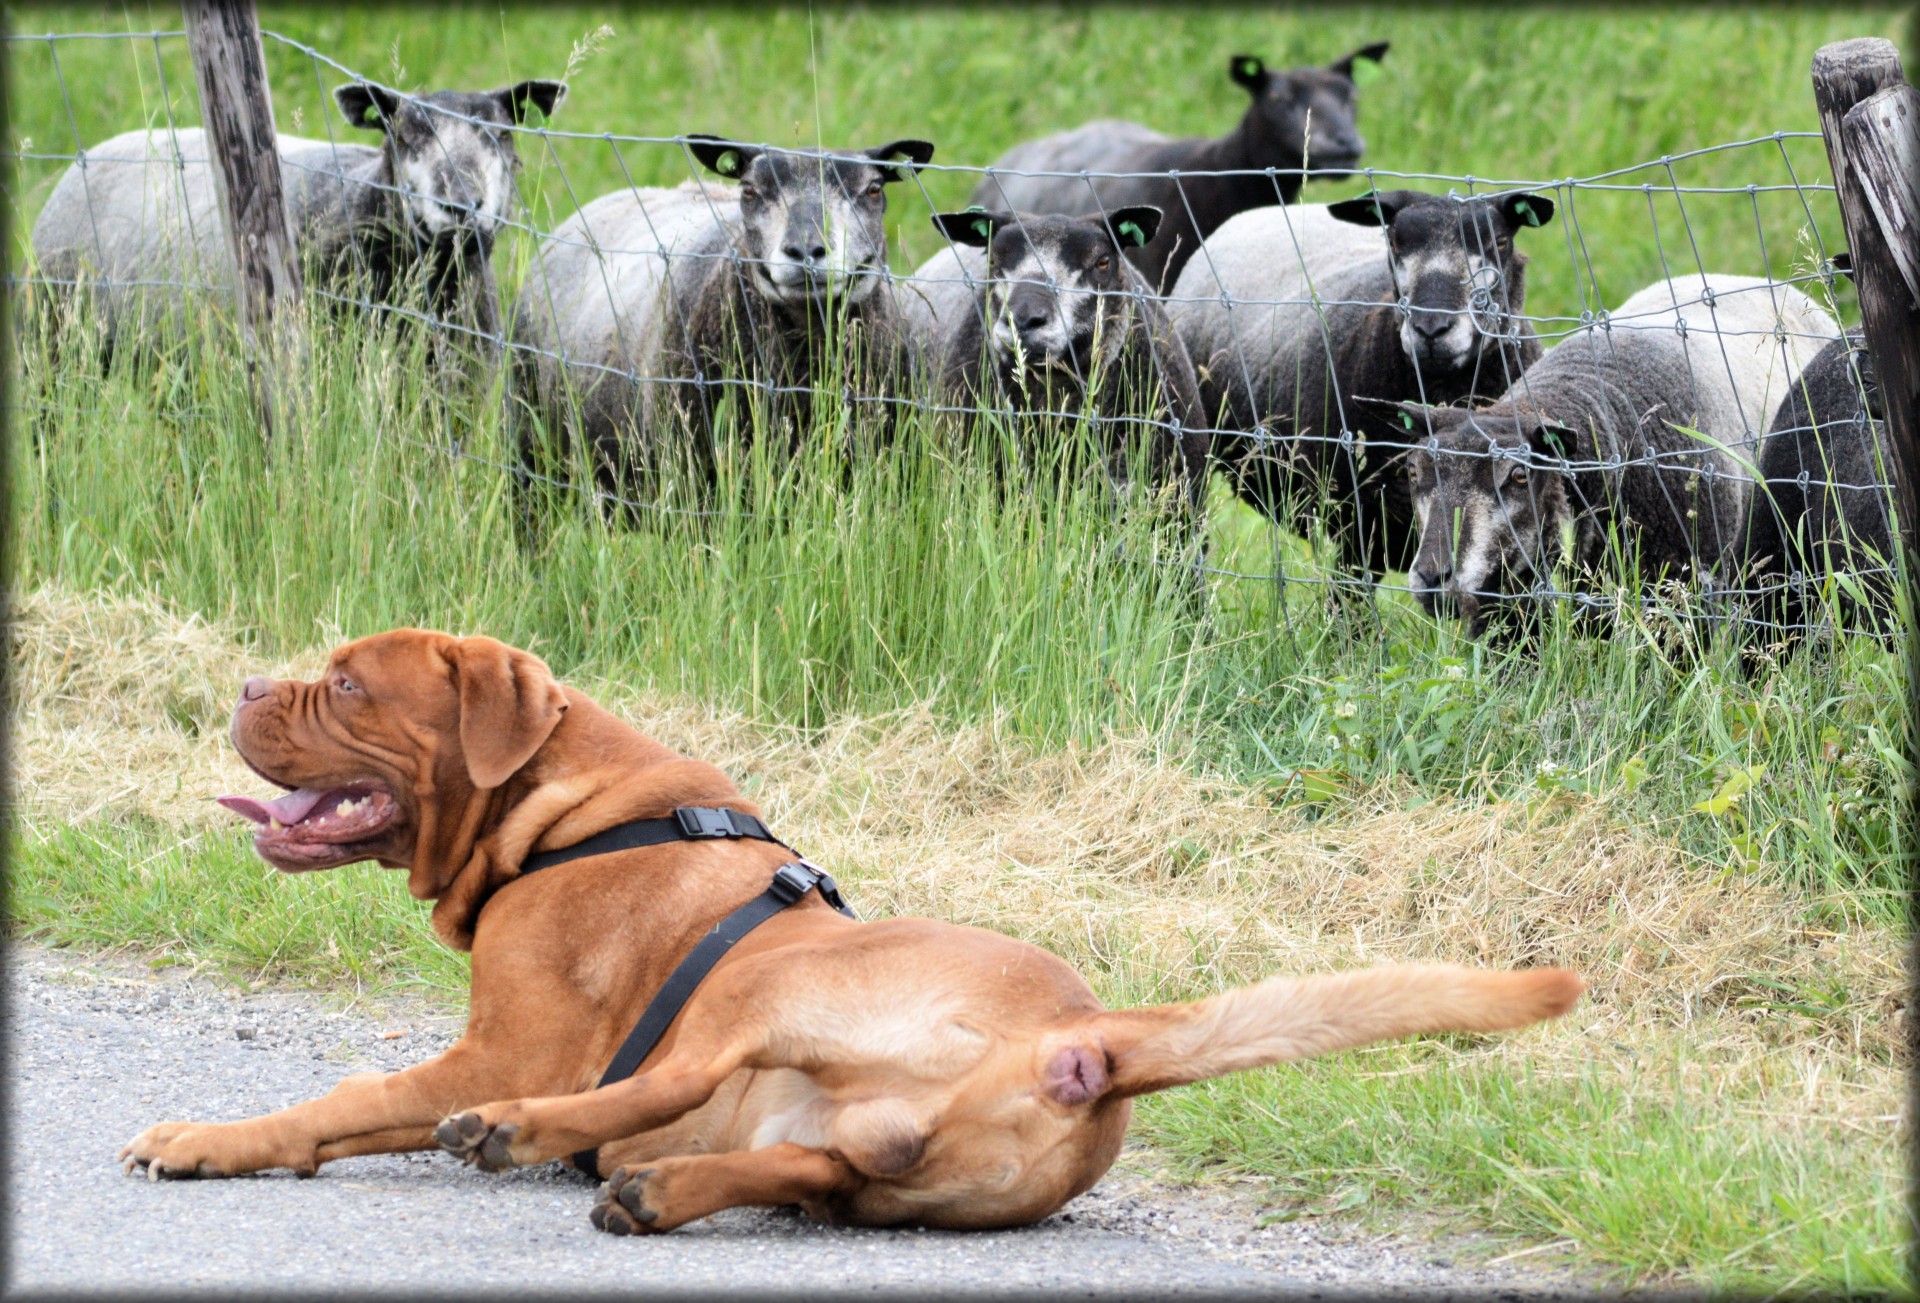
(902, 1071)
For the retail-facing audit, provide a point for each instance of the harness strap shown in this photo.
(688, 823)
(791, 881)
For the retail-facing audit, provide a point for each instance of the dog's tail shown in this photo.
(1288, 1018)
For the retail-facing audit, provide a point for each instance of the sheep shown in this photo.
(1643, 423)
(138, 215)
(1824, 508)
(1298, 119)
(1278, 368)
(1036, 307)
(650, 307)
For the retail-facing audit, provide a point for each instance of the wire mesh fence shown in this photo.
(1452, 383)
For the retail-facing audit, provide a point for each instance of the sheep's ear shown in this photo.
(1371, 53)
(1526, 210)
(1376, 209)
(368, 106)
(522, 100)
(974, 226)
(1134, 227)
(1249, 71)
(1411, 417)
(900, 151)
(1550, 438)
(718, 154)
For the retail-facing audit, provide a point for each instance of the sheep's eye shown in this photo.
(748, 192)
(875, 190)
(1106, 261)
(1517, 477)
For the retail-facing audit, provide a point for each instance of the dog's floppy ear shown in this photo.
(509, 705)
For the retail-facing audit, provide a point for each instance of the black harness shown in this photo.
(791, 881)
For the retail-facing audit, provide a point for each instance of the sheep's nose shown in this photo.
(814, 253)
(1429, 324)
(1031, 319)
(1433, 579)
(256, 687)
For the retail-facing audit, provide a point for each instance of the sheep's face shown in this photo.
(1305, 111)
(813, 223)
(1058, 292)
(451, 152)
(1490, 498)
(1456, 273)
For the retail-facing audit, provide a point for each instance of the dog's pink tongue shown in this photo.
(291, 808)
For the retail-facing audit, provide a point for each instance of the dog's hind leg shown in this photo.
(671, 1192)
(516, 1132)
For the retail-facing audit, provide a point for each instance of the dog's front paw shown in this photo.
(171, 1151)
(623, 1208)
(470, 1138)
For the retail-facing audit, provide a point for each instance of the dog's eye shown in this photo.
(345, 684)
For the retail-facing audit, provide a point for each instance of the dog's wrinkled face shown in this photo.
(813, 222)
(380, 752)
(453, 158)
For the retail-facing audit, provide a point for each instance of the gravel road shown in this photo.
(102, 1046)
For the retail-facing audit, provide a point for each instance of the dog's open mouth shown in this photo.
(316, 828)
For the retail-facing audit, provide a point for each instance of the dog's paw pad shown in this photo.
(468, 1138)
(623, 1208)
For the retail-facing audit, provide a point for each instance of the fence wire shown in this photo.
(700, 226)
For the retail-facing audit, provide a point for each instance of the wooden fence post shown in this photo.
(229, 66)
(1867, 118)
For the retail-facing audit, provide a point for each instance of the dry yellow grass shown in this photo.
(1113, 856)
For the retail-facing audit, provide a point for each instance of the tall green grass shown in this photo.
(811, 586)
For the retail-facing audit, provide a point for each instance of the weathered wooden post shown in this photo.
(1870, 118)
(1867, 115)
(229, 66)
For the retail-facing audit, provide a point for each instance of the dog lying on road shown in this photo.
(894, 1072)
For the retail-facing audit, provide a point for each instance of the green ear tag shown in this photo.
(983, 229)
(1526, 212)
(370, 114)
(1406, 419)
(533, 116)
(1131, 231)
(728, 164)
(1250, 68)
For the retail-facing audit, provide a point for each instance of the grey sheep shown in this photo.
(1290, 312)
(1027, 311)
(1643, 425)
(138, 216)
(1824, 511)
(650, 307)
(1300, 118)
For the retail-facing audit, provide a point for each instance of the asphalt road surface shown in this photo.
(102, 1047)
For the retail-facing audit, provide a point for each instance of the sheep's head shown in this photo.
(451, 151)
(813, 222)
(1058, 287)
(1456, 273)
(1490, 495)
(1304, 111)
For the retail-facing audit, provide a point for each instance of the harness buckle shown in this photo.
(703, 823)
(793, 880)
